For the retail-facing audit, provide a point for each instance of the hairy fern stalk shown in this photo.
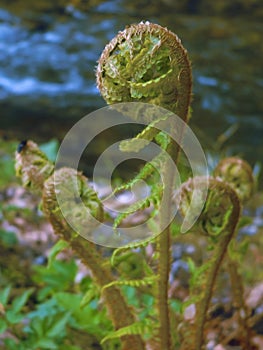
(147, 63)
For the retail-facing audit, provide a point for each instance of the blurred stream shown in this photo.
(48, 56)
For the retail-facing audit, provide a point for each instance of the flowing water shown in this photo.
(48, 55)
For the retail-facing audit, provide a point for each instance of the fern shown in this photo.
(133, 245)
(133, 283)
(142, 328)
(143, 138)
(163, 139)
(147, 63)
(153, 199)
(56, 249)
(93, 292)
(147, 170)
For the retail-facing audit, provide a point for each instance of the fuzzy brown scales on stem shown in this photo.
(147, 63)
(218, 221)
(119, 312)
(38, 174)
(239, 175)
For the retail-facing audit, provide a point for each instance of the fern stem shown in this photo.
(239, 302)
(118, 310)
(218, 220)
(209, 286)
(164, 330)
(153, 67)
(164, 246)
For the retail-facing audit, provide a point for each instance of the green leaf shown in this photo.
(58, 326)
(8, 238)
(59, 276)
(4, 295)
(7, 166)
(14, 317)
(133, 283)
(10, 344)
(37, 327)
(3, 325)
(132, 296)
(143, 328)
(46, 344)
(91, 294)
(21, 300)
(57, 248)
(176, 305)
(44, 293)
(45, 309)
(244, 221)
(142, 243)
(191, 265)
(89, 317)
(243, 247)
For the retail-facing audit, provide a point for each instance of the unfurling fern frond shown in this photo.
(218, 221)
(142, 328)
(37, 173)
(133, 283)
(133, 245)
(163, 139)
(154, 199)
(146, 63)
(146, 171)
(143, 138)
(93, 292)
(238, 174)
(32, 166)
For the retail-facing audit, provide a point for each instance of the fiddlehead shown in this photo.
(147, 63)
(239, 175)
(218, 222)
(32, 166)
(64, 180)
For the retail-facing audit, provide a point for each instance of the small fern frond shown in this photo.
(56, 249)
(133, 245)
(163, 139)
(142, 328)
(133, 283)
(136, 144)
(145, 172)
(143, 138)
(93, 292)
(154, 199)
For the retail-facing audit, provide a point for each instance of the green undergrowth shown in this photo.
(45, 306)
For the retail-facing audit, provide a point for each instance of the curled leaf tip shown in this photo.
(238, 174)
(32, 165)
(146, 63)
(220, 205)
(69, 200)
